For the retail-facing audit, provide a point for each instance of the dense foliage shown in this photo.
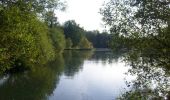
(77, 35)
(31, 34)
(21, 38)
(98, 39)
(25, 38)
(143, 20)
(41, 81)
(142, 27)
(58, 39)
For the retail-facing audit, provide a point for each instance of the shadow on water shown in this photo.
(36, 84)
(40, 81)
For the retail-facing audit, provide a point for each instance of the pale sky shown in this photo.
(84, 12)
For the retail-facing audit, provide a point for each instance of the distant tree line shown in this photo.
(75, 36)
(98, 39)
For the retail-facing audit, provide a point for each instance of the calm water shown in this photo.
(82, 75)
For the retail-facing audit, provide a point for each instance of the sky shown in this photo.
(84, 12)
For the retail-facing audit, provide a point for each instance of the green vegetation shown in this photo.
(146, 30)
(69, 43)
(78, 38)
(36, 84)
(40, 82)
(75, 36)
(139, 24)
(58, 39)
(99, 40)
(142, 27)
(73, 31)
(25, 39)
(30, 33)
(85, 44)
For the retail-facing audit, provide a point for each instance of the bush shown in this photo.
(58, 39)
(24, 39)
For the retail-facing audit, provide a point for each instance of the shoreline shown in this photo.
(95, 49)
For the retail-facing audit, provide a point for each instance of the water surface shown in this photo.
(82, 75)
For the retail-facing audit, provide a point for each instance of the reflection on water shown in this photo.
(88, 75)
(98, 77)
(36, 84)
(74, 60)
(152, 80)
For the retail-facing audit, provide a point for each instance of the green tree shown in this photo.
(58, 38)
(38, 6)
(73, 31)
(24, 37)
(85, 44)
(69, 43)
(50, 19)
(139, 19)
(143, 25)
(98, 39)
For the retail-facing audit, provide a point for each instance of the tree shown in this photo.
(99, 40)
(69, 43)
(58, 39)
(50, 19)
(139, 19)
(24, 37)
(38, 6)
(73, 31)
(85, 44)
(143, 16)
(144, 25)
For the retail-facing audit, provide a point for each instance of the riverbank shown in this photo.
(102, 49)
(95, 49)
(78, 49)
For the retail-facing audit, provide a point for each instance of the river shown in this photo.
(85, 75)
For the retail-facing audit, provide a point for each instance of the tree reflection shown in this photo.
(74, 61)
(107, 56)
(40, 82)
(152, 77)
(36, 84)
